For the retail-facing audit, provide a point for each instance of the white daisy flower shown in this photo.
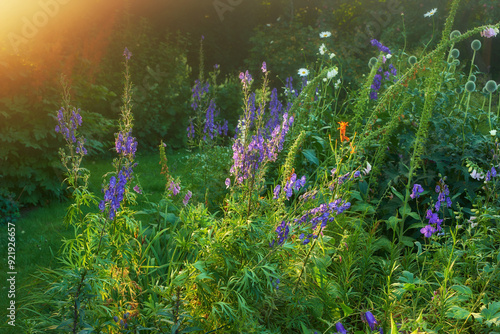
(337, 84)
(332, 73)
(303, 72)
(430, 13)
(325, 34)
(332, 55)
(493, 133)
(388, 56)
(322, 49)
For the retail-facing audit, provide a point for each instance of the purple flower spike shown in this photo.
(371, 320)
(127, 54)
(187, 198)
(340, 328)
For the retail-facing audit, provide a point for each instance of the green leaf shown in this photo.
(347, 310)
(394, 328)
(398, 194)
(456, 312)
(311, 156)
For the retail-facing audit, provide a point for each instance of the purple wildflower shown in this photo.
(138, 189)
(368, 317)
(126, 145)
(264, 67)
(174, 188)
(228, 183)
(340, 328)
(187, 198)
(127, 54)
(276, 191)
(114, 194)
(380, 46)
(417, 190)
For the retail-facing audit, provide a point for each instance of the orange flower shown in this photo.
(343, 126)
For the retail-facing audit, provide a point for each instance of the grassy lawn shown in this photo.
(40, 230)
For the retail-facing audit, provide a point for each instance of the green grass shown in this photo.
(39, 231)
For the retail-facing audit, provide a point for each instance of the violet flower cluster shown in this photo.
(174, 188)
(417, 191)
(246, 79)
(380, 46)
(320, 216)
(443, 195)
(199, 90)
(342, 178)
(212, 128)
(377, 80)
(126, 145)
(114, 194)
(432, 214)
(291, 184)
(491, 174)
(260, 149)
(68, 128)
(366, 317)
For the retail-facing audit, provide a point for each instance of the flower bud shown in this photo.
(475, 45)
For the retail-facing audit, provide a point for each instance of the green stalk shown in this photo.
(489, 111)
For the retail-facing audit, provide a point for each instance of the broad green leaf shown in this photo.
(456, 312)
(311, 156)
(347, 310)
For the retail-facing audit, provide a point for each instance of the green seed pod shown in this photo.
(454, 34)
(412, 60)
(372, 62)
(455, 53)
(459, 90)
(475, 45)
(456, 62)
(470, 86)
(491, 86)
(472, 78)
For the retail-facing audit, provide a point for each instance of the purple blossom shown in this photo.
(282, 231)
(138, 189)
(228, 182)
(340, 328)
(490, 32)
(443, 195)
(264, 67)
(126, 145)
(370, 319)
(187, 198)
(174, 188)
(114, 194)
(433, 226)
(246, 79)
(127, 54)
(276, 191)
(248, 157)
(417, 190)
(380, 46)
